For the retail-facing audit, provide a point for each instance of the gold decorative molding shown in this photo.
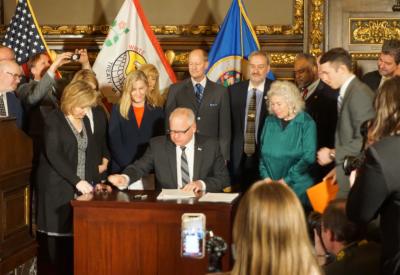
(365, 56)
(373, 30)
(295, 29)
(201, 30)
(316, 35)
(277, 59)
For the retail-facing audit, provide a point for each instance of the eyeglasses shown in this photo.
(171, 132)
(15, 76)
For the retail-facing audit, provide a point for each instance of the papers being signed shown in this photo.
(175, 194)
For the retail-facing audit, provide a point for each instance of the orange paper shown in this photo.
(321, 194)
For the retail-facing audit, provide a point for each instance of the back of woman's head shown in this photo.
(87, 75)
(387, 107)
(270, 234)
(155, 97)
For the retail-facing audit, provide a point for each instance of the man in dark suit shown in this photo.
(388, 61)
(10, 106)
(321, 104)
(180, 160)
(244, 162)
(354, 107)
(208, 100)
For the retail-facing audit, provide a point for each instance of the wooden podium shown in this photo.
(114, 233)
(17, 246)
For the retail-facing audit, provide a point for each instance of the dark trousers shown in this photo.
(248, 171)
(55, 255)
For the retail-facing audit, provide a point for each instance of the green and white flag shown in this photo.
(130, 43)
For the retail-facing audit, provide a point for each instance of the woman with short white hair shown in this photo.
(288, 140)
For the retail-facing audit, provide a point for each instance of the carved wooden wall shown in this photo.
(282, 42)
(360, 26)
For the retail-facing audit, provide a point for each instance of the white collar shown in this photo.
(190, 144)
(346, 84)
(259, 87)
(202, 82)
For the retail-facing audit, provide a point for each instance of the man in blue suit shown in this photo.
(10, 106)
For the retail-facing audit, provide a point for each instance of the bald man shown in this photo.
(180, 159)
(10, 106)
(209, 101)
(6, 54)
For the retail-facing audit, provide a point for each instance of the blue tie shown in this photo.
(199, 92)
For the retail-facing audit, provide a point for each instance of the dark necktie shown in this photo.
(184, 167)
(2, 106)
(250, 136)
(199, 92)
(305, 92)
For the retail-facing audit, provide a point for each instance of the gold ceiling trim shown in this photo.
(316, 35)
(277, 58)
(367, 31)
(365, 56)
(201, 30)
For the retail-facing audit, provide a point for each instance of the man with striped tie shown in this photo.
(248, 112)
(181, 159)
(354, 106)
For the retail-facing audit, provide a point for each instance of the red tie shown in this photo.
(305, 92)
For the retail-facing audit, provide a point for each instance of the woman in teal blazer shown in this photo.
(288, 140)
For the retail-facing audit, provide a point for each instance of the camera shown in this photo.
(352, 163)
(75, 57)
(314, 221)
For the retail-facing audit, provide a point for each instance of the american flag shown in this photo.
(23, 33)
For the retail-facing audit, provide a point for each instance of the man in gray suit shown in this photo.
(208, 100)
(354, 107)
(180, 160)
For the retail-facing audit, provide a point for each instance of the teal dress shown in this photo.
(289, 152)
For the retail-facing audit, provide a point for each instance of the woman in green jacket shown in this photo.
(288, 140)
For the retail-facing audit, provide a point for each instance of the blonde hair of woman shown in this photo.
(270, 233)
(155, 97)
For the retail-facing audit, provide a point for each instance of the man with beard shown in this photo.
(248, 112)
(388, 61)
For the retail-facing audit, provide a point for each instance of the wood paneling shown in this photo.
(116, 234)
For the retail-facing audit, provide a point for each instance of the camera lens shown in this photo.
(75, 57)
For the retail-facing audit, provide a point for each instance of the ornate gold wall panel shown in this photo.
(283, 42)
(316, 33)
(277, 59)
(373, 30)
(203, 30)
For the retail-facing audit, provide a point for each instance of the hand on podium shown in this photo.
(84, 187)
(119, 181)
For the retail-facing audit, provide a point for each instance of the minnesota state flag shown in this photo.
(234, 42)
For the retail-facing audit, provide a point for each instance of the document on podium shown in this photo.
(175, 194)
(219, 197)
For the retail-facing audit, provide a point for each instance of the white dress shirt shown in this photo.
(202, 83)
(190, 159)
(5, 103)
